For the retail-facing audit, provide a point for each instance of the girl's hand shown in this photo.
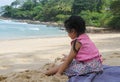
(64, 58)
(57, 74)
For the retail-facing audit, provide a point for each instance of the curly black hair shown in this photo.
(75, 22)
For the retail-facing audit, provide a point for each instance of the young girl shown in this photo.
(83, 57)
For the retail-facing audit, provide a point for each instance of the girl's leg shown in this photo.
(52, 71)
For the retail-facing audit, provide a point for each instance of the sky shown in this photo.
(5, 2)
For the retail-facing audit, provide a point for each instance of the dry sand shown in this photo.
(22, 60)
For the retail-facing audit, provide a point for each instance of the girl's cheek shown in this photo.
(69, 34)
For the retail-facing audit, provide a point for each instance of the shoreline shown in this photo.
(49, 37)
(2, 40)
(41, 37)
(89, 29)
(33, 22)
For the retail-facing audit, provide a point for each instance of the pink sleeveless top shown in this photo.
(88, 49)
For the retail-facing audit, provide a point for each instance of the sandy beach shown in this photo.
(21, 60)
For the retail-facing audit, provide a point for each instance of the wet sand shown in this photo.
(21, 60)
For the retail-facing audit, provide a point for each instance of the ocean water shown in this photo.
(17, 30)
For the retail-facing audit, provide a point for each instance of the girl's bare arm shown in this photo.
(69, 59)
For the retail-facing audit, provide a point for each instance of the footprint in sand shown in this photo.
(2, 78)
(4, 67)
(115, 55)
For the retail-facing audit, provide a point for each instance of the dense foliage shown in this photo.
(115, 19)
(95, 12)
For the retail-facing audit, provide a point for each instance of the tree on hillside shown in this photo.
(15, 3)
(7, 11)
(27, 5)
(115, 9)
(82, 5)
(54, 9)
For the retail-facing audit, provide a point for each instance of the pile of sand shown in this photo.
(34, 75)
(31, 76)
